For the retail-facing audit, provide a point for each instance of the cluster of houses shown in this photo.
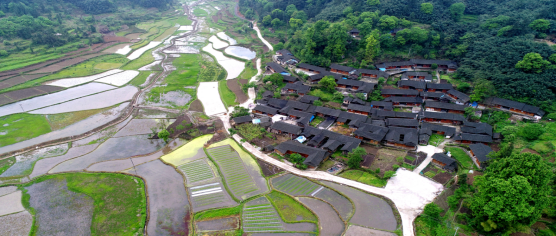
(436, 109)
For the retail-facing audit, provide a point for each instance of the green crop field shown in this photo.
(142, 78)
(294, 185)
(6, 164)
(196, 171)
(119, 200)
(261, 217)
(290, 209)
(237, 178)
(228, 97)
(461, 157)
(364, 177)
(19, 127)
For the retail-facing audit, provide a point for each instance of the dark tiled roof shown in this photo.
(412, 83)
(448, 131)
(406, 136)
(290, 78)
(346, 116)
(298, 86)
(473, 137)
(285, 127)
(446, 106)
(308, 99)
(399, 92)
(298, 105)
(242, 119)
(513, 104)
(277, 103)
(439, 86)
(349, 82)
(328, 111)
(397, 63)
(404, 99)
(382, 114)
(371, 132)
(386, 105)
(481, 151)
(462, 97)
(373, 72)
(354, 30)
(406, 115)
(340, 67)
(451, 163)
(360, 108)
(450, 64)
(416, 73)
(315, 155)
(443, 116)
(302, 117)
(402, 122)
(277, 68)
(268, 94)
(476, 128)
(310, 67)
(265, 109)
(284, 52)
(431, 95)
(366, 88)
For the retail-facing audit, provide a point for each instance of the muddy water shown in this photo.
(241, 52)
(71, 130)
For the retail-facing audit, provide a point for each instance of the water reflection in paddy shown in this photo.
(241, 52)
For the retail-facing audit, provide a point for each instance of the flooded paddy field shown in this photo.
(329, 221)
(224, 36)
(232, 66)
(70, 82)
(228, 223)
(137, 53)
(96, 101)
(210, 97)
(54, 98)
(18, 95)
(44, 165)
(16, 224)
(120, 78)
(20, 79)
(241, 52)
(25, 162)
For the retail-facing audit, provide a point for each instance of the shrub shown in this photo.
(251, 131)
(164, 134)
(180, 127)
(532, 131)
(389, 174)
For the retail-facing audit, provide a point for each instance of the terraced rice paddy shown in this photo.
(192, 150)
(217, 43)
(260, 216)
(96, 101)
(196, 171)
(16, 224)
(25, 162)
(241, 52)
(120, 78)
(235, 174)
(137, 53)
(54, 98)
(207, 196)
(11, 203)
(232, 66)
(224, 36)
(70, 82)
(297, 186)
(18, 95)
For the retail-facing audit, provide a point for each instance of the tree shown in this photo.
(456, 11)
(432, 213)
(2, 14)
(532, 62)
(164, 134)
(276, 79)
(482, 89)
(328, 82)
(276, 23)
(355, 157)
(317, 103)
(373, 2)
(240, 111)
(347, 10)
(290, 9)
(389, 174)
(463, 87)
(278, 46)
(300, 15)
(387, 40)
(513, 192)
(532, 131)
(427, 7)
(4, 53)
(400, 40)
(552, 58)
(373, 46)
(277, 14)
(295, 23)
(298, 161)
(540, 25)
(388, 22)
(267, 20)
(434, 66)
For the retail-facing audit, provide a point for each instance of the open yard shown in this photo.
(385, 159)
(364, 177)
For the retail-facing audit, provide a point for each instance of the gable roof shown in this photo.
(298, 87)
(354, 30)
(310, 67)
(397, 63)
(277, 68)
(447, 106)
(404, 99)
(451, 163)
(399, 92)
(328, 111)
(462, 97)
(373, 72)
(412, 83)
(406, 115)
(431, 95)
(386, 105)
(290, 78)
(341, 68)
(439, 86)
(450, 64)
(347, 116)
(268, 94)
(402, 122)
(513, 104)
(481, 151)
(443, 116)
(277, 103)
(265, 109)
(416, 73)
(315, 155)
(284, 52)
(285, 127)
(360, 108)
(473, 137)
(405, 136)
(371, 132)
(476, 128)
(448, 131)
(308, 99)
(242, 119)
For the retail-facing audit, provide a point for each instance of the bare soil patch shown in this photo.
(18, 80)
(368, 160)
(442, 178)
(370, 149)
(66, 63)
(385, 159)
(218, 224)
(18, 95)
(471, 177)
(133, 36)
(196, 106)
(495, 146)
(234, 86)
(268, 169)
(530, 151)
(117, 47)
(217, 16)
(110, 38)
(182, 120)
(244, 81)
(340, 129)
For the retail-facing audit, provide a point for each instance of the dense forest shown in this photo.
(488, 38)
(55, 23)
